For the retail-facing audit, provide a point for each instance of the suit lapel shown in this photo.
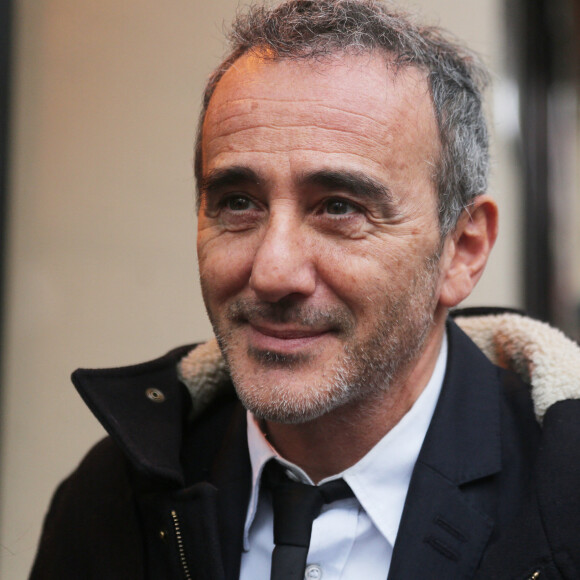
(441, 535)
(445, 529)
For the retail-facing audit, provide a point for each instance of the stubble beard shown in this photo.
(367, 370)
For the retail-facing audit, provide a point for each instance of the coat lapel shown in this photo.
(445, 527)
(125, 399)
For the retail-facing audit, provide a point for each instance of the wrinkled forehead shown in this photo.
(356, 97)
(347, 75)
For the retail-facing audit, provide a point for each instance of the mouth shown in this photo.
(289, 328)
(284, 339)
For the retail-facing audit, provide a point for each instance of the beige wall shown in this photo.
(101, 255)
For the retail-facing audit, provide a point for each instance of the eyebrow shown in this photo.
(220, 178)
(357, 183)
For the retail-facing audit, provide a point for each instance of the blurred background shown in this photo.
(98, 109)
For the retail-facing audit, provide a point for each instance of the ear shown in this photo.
(466, 250)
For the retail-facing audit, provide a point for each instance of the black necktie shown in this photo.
(296, 505)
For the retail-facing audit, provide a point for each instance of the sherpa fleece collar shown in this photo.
(542, 355)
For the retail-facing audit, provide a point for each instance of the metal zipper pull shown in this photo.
(180, 548)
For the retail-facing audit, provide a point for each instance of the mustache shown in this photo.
(288, 311)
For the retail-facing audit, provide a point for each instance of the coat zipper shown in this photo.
(180, 548)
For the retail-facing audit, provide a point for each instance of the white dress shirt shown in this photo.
(352, 538)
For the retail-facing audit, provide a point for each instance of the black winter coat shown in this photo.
(166, 496)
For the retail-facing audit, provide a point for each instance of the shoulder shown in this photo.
(91, 523)
(102, 473)
(540, 378)
(541, 355)
(543, 539)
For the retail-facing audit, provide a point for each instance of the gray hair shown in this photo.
(314, 29)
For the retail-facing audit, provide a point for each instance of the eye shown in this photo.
(237, 212)
(238, 203)
(340, 207)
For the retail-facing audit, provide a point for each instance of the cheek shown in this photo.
(357, 278)
(224, 266)
(365, 278)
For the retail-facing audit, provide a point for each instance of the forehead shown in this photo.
(349, 108)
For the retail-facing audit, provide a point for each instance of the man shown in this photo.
(341, 165)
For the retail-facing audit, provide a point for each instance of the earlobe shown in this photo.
(467, 249)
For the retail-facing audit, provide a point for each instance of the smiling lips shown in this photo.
(283, 338)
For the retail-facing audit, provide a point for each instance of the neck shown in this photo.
(332, 443)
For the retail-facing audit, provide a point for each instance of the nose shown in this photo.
(282, 263)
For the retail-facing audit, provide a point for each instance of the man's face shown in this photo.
(318, 234)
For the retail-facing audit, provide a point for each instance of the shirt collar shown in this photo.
(380, 479)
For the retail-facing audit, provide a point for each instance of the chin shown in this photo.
(291, 396)
(287, 409)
